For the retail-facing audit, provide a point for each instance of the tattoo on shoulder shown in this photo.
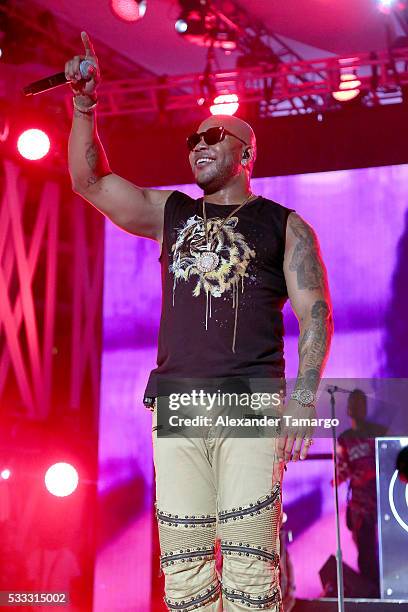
(305, 260)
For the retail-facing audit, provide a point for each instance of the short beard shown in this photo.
(218, 181)
(211, 186)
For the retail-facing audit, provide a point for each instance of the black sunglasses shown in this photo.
(211, 136)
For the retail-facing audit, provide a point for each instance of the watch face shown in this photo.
(306, 396)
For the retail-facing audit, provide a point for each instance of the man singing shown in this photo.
(229, 262)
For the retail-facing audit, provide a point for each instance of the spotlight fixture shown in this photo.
(181, 26)
(191, 25)
(61, 479)
(386, 6)
(33, 144)
(129, 10)
(225, 104)
(199, 24)
(348, 88)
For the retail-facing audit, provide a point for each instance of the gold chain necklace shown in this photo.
(208, 260)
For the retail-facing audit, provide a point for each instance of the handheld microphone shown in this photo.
(86, 68)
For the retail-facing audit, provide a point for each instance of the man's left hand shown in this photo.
(295, 441)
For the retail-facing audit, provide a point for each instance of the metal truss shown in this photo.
(289, 88)
(253, 34)
(259, 45)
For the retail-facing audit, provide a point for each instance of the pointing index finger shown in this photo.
(89, 50)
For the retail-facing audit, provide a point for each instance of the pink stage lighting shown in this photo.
(386, 6)
(5, 474)
(129, 10)
(61, 479)
(348, 88)
(33, 144)
(225, 104)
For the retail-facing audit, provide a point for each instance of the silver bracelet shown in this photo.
(84, 110)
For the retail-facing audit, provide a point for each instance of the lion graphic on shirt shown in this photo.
(230, 246)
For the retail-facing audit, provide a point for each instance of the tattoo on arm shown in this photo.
(305, 259)
(314, 345)
(316, 322)
(92, 157)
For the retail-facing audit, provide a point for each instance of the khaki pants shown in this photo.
(224, 488)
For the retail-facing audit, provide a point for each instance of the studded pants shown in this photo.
(218, 488)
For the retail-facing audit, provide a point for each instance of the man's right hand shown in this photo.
(79, 86)
(134, 209)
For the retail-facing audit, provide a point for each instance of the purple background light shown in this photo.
(359, 216)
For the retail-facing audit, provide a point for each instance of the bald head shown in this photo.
(237, 126)
(227, 162)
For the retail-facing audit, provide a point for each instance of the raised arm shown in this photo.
(134, 209)
(308, 291)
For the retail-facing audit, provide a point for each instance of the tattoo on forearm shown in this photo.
(305, 259)
(314, 345)
(316, 348)
(309, 380)
(92, 157)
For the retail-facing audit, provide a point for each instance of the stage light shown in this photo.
(199, 24)
(33, 144)
(348, 88)
(129, 10)
(192, 26)
(385, 6)
(181, 26)
(61, 479)
(225, 104)
(5, 474)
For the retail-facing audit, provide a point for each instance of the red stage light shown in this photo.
(5, 474)
(225, 104)
(61, 479)
(129, 10)
(33, 144)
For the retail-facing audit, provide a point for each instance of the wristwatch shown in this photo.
(304, 397)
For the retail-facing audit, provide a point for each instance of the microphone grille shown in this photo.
(85, 68)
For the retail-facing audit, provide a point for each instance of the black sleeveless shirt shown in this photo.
(227, 322)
